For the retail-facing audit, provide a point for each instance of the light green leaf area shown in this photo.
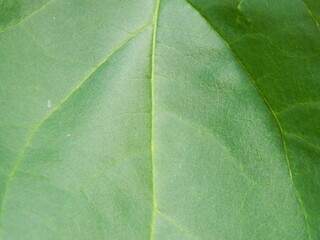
(160, 120)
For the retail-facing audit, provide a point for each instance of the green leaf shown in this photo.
(160, 119)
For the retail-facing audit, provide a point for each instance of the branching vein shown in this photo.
(281, 131)
(50, 114)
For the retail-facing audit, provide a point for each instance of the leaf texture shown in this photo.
(160, 119)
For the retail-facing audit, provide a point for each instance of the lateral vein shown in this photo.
(177, 225)
(35, 129)
(311, 15)
(27, 17)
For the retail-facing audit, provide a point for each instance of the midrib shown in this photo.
(154, 200)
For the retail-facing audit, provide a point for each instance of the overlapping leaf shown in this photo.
(167, 119)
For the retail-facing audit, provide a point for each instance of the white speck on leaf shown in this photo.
(68, 135)
(54, 18)
(49, 103)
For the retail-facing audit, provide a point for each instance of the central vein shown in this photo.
(154, 201)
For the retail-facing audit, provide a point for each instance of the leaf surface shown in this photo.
(164, 119)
